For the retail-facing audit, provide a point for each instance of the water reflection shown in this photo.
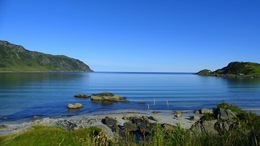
(17, 79)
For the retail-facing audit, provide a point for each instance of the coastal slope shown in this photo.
(15, 58)
(235, 69)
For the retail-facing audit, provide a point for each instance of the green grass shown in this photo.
(54, 136)
(246, 68)
(51, 136)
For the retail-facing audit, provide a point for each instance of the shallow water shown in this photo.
(25, 95)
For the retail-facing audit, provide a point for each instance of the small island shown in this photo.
(235, 70)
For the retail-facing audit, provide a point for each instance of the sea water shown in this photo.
(25, 95)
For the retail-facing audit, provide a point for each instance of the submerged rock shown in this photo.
(75, 106)
(107, 97)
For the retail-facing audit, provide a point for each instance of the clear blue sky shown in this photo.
(137, 35)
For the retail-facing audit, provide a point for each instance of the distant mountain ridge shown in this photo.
(235, 69)
(15, 58)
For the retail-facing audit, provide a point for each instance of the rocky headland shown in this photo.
(15, 58)
(235, 70)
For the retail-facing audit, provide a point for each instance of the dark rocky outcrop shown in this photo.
(111, 123)
(220, 121)
(133, 126)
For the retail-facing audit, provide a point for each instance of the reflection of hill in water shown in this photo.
(235, 81)
(16, 79)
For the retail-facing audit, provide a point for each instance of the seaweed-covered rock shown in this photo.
(81, 96)
(107, 97)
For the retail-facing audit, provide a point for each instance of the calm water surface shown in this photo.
(25, 95)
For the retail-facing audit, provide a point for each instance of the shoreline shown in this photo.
(94, 119)
(183, 118)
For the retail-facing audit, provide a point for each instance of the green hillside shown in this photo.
(246, 69)
(15, 58)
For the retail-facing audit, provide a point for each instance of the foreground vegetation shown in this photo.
(247, 133)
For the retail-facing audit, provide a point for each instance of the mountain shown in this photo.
(235, 69)
(16, 58)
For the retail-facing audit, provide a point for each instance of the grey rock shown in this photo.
(226, 114)
(68, 125)
(205, 126)
(194, 118)
(206, 111)
(178, 114)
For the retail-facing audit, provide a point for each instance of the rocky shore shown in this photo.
(222, 119)
(108, 122)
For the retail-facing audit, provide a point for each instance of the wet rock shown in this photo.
(75, 106)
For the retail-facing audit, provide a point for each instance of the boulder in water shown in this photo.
(75, 106)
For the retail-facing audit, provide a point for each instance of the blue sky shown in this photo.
(137, 35)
